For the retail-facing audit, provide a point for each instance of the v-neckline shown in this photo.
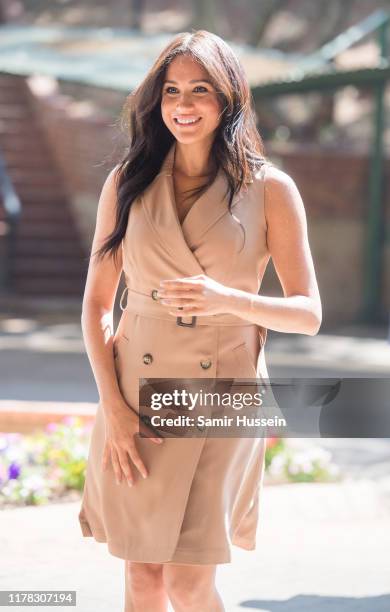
(171, 163)
(181, 240)
(174, 201)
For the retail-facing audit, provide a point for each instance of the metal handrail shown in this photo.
(13, 209)
(344, 41)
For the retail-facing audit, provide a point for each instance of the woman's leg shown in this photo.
(144, 588)
(191, 588)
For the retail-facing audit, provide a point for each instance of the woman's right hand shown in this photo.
(121, 426)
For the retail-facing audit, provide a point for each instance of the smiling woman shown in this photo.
(190, 107)
(186, 212)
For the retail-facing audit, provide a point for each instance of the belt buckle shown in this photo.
(180, 322)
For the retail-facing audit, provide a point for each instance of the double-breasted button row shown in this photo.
(205, 363)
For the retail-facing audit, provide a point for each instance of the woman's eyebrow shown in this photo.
(193, 81)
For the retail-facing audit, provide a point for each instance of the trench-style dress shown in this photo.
(202, 494)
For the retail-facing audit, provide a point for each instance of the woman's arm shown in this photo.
(103, 277)
(99, 299)
(300, 310)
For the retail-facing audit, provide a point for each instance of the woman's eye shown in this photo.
(168, 89)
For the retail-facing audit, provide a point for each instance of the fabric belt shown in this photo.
(147, 305)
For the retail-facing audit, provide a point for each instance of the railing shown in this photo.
(377, 21)
(12, 208)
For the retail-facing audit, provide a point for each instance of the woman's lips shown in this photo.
(187, 124)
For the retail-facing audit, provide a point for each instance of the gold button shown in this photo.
(205, 364)
(154, 294)
(147, 358)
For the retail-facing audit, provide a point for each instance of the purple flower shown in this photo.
(13, 470)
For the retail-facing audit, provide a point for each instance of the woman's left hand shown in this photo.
(194, 295)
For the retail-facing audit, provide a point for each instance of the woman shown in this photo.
(192, 215)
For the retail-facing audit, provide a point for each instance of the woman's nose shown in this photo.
(184, 100)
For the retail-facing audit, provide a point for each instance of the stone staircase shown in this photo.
(49, 255)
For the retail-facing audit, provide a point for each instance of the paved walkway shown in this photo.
(321, 547)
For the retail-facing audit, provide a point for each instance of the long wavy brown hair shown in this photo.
(237, 148)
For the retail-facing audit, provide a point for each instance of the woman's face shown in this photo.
(188, 95)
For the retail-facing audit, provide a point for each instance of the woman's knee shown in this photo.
(189, 586)
(144, 576)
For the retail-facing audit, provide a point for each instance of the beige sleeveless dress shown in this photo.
(203, 493)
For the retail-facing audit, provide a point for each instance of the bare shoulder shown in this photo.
(281, 194)
(106, 210)
(276, 180)
(275, 176)
(108, 195)
(112, 176)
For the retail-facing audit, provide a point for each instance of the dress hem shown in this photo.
(202, 556)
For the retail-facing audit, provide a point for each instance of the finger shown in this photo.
(116, 466)
(181, 284)
(176, 302)
(179, 290)
(171, 295)
(186, 312)
(147, 431)
(136, 459)
(179, 295)
(185, 308)
(125, 466)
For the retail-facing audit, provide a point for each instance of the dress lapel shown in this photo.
(159, 205)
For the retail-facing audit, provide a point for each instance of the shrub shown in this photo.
(49, 463)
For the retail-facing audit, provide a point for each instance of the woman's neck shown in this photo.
(192, 161)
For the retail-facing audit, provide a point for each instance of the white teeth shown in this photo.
(187, 120)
